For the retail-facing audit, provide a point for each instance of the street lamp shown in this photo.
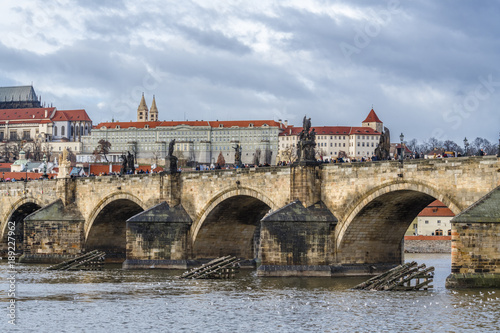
(401, 137)
(466, 146)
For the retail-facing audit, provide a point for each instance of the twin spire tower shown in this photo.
(143, 111)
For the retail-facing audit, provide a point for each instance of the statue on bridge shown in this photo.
(237, 155)
(128, 166)
(64, 165)
(131, 164)
(306, 153)
(170, 159)
(382, 152)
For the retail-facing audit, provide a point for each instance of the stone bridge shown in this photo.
(332, 219)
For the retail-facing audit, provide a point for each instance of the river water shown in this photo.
(115, 300)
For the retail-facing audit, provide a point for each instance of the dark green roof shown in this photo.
(163, 213)
(296, 212)
(486, 209)
(56, 211)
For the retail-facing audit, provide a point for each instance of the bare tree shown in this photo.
(220, 160)
(412, 144)
(47, 150)
(14, 148)
(288, 154)
(102, 150)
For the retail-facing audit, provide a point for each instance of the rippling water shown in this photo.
(128, 301)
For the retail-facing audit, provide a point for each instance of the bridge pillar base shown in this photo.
(158, 238)
(297, 241)
(155, 264)
(294, 270)
(475, 239)
(473, 280)
(53, 234)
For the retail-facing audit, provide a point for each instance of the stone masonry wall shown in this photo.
(52, 239)
(156, 241)
(426, 244)
(296, 243)
(475, 247)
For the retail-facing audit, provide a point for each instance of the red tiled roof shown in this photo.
(71, 115)
(19, 175)
(244, 123)
(333, 130)
(398, 146)
(25, 114)
(436, 208)
(372, 118)
(154, 124)
(98, 169)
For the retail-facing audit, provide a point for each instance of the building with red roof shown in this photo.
(24, 120)
(433, 220)
(333, 142)
(199, 141)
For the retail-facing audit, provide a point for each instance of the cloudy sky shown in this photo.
(429, 68)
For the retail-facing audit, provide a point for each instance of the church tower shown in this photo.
(372, 121)
(153, 112)
(142, 110)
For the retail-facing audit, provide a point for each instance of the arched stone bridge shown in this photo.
(352, 216)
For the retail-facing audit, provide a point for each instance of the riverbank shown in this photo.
(427, 244)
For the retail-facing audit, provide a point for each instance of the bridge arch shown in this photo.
(228, 224)
(105, 229)
(16, 213)
(372, 231)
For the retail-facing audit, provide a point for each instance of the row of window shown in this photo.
(80, 129)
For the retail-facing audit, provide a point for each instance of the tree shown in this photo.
(4, 152)
(102, 150)
(412, 144)
(47, 149)
(450, 145)
(288, 154)
(220, 160)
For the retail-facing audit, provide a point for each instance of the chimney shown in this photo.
(45, 113)
(286, 123)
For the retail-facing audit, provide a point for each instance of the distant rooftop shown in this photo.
(18, 97)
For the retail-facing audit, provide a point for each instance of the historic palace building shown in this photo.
(195, 141)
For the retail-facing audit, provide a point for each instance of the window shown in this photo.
(439, 232)
(26, 135)
(439, 221)
(1, 136)
(62, 131)
(55, 130)
(449, 232)
(426, 221)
